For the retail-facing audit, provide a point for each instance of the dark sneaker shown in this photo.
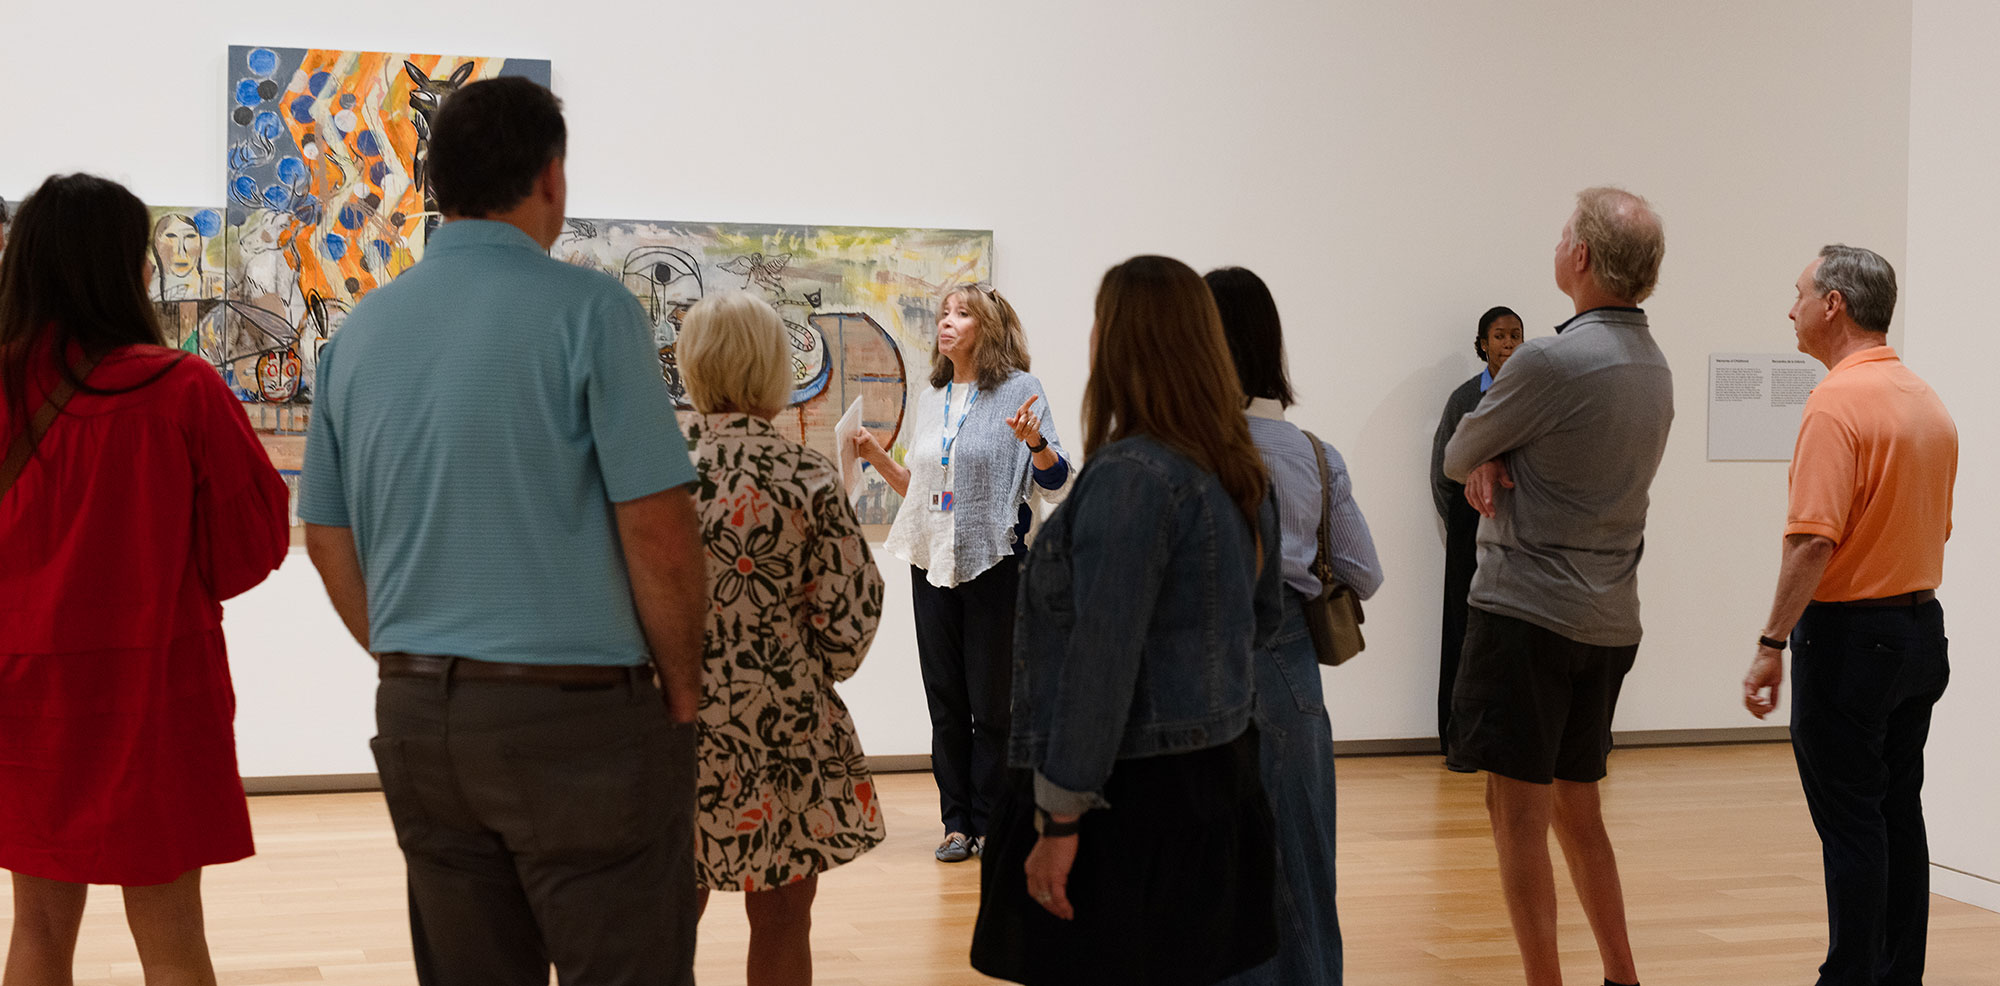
(956, 848)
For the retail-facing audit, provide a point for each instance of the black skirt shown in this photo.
(1172, 885)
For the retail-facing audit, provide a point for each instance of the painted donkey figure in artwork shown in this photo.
(425, 99)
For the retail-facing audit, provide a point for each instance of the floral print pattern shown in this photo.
(783, 790)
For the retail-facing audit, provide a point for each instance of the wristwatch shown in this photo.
(1047, 826)
(1038, 449)
(1772, 642)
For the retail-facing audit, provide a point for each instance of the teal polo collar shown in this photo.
(466, 234)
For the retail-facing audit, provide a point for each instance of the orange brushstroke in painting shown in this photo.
(346, 178)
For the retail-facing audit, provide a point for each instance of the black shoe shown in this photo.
(956, 848)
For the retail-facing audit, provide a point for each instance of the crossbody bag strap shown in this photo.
(1322, 566)
(39, 423)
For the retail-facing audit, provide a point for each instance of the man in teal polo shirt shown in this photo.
(496, 495)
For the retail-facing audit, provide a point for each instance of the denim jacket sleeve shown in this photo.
(1122, 534)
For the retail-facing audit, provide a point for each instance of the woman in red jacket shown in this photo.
(134, 498)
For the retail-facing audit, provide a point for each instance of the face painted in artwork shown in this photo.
(278, 375)
(177, 249)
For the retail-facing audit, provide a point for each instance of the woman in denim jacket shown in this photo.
(1291, 707)
(1142, 605)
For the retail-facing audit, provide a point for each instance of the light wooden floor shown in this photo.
(1720, 864)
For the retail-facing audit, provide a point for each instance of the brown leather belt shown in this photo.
(1917, 598)
(396, 664)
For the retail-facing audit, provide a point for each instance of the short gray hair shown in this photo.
(1865, 281)
(1625, 238)
(734, 354)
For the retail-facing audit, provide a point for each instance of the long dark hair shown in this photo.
(74, 271)
(1256, 340)
(1161, 368)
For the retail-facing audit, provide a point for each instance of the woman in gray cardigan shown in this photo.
(980, 452)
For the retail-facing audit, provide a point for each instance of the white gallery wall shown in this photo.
(1391, 169)
(1948, 287)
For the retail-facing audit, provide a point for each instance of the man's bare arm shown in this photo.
(332, 552)
(1806, 557)
(661, 536)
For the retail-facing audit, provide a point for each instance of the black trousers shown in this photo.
(1461, 560)
(965, 646)
(540, 825)
(1864, 681)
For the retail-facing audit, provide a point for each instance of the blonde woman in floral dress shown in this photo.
(782, 789)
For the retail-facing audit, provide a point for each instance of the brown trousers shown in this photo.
(542, 825)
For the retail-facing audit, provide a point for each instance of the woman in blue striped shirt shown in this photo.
(1291, 707)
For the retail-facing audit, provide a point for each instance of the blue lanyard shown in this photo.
(949, 435)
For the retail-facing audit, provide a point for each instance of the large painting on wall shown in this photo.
(327, 200)
(859, 304)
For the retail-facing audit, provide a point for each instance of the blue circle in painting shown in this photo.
(378, 171)
(267, 125)
(307, 210)
(246, 188)
(383, 249)
(208, 222)
(318, 82)
(262, 62)
(277, 196)
(291, 170)
(302, 110)
(365, 143)
(351, 217)
(336, 245)
(247, 94)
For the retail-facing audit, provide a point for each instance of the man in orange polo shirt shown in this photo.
(1869, 513)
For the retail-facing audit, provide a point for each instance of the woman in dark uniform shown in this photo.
(1499, 332)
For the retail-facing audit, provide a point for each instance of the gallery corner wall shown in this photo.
(1952, 341)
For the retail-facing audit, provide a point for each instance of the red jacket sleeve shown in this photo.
(242, 527)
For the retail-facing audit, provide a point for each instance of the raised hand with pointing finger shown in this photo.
(1027, 427)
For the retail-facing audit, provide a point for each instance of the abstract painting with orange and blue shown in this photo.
(327, 199)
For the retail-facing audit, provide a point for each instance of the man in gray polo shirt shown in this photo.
(1557, 460)
(498, 500)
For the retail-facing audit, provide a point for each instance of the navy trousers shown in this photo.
(1864, 681)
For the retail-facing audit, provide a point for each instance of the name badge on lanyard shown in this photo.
(942, 499)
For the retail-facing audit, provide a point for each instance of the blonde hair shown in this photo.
(1625, 239)
(734, 355)
(999, 347)
(1161, 367)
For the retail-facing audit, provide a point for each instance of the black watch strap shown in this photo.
(1047, 827)
(1039, 449)
(1772, 642)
